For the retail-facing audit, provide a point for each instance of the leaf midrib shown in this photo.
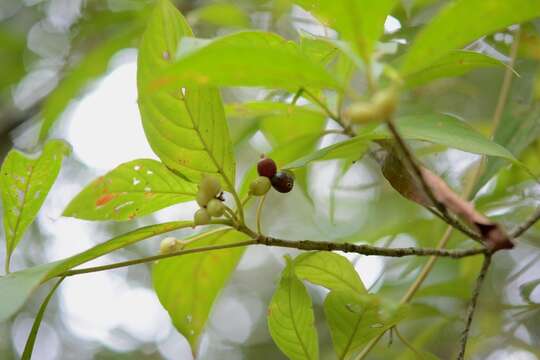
(293, 319)
(210, 154)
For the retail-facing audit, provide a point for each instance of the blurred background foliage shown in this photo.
(56, 53)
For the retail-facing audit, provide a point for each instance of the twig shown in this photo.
(472, 305)
(533, 219)
(306, 245)
(407, 343)
(259, 213)
(346, 128)
(413, 165)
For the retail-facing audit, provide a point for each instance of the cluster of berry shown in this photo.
(282, 181)
(210, 201)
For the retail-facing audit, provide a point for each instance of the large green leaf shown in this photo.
(350, 150)
(355, 319)
(456, 63)
(18, 286)
(461, 22)
(187, 287)
(445, 130)
(186, 125)
(250, 58)
(25, 182)
(328, 269)
(360, 22)
(91, 66)
(133, 189)
(290, 318)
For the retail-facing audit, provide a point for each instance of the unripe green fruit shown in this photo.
(362, 112)
(209, 186)
(215, 208)
(283, 181)
(260, 186)
(167, 245)
(385, 102)
(203, 198)
(201, 217)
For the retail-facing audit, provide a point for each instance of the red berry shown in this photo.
(283, 181)
(266, 167)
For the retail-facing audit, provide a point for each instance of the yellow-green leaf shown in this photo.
(133, 189)
(248, 58)
(355, 319)
(188, 286)
(290, 318)
(328, 269)
(25, 182)
(185, 125)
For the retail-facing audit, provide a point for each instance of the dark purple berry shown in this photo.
(283, 181)
(266, 167)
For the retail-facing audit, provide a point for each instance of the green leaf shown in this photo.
(188, 287)
(290, 318)
(92, 65)
(360, 22)
(258, 109)
(460, 23)
(186, 126)
(221, 14)
(526, 289)
(328, 269)
(25, 182)
(350, 150)
(355, 319)
(133, 189)
(248, 58)
(515, 133)
(456, 63)
(29, 347)
(18, 286)
(445, 130)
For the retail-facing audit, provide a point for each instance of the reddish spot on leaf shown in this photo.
(104, 199)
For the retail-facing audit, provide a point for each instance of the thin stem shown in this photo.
(259, 213)
(8, 261)
(507, 81)
(297, 96)
(306, 245)
(246, 200)
(411, 162)
(407, 343)
(457, 225)
(155, 258)
(472, 305)
(533, 219)
(322, 105)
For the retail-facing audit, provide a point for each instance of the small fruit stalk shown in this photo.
(209, 200)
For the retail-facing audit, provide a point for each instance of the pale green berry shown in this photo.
(201, 217)
(215, 208)
(260, 186)
(210, 186)
(361, 113)
(385, 102)
(203, 198)
(167, 245)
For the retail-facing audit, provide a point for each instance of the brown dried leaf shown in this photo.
(403, 180)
